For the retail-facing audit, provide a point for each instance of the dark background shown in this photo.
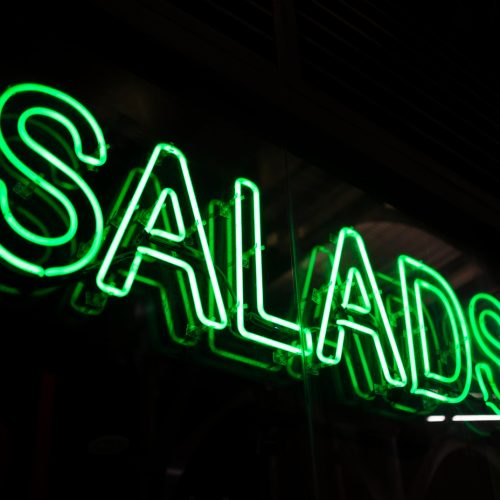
(400, 100)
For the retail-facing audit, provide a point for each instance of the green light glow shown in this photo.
(311, 299)
(227, 343)
(37, 222)
(350, 235)
(345, 318)
(160, 204)
(494, 316)
(482, 307)
(284, 326)
(84, 301)
(167, 312)
(419, 285)
(99, 159)
(486, 382)
(352, 276)
(312, 304)
(353, 368)
(111, 288)
(9, 289)
(395, 310)
(294, 364)
(422, 276)
(489, 307)
(391, 291)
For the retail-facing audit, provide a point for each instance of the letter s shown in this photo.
(48, 190)
(484, 315)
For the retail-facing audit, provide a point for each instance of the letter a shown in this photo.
(367, 318)
(187, 219)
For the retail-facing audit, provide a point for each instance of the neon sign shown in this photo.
(406, 335)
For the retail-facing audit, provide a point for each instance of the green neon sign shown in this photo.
(407, 333)
(255, 256)
(142, 251)
(427, 279)
(356, 322)
(484, 317)
(59, 100)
